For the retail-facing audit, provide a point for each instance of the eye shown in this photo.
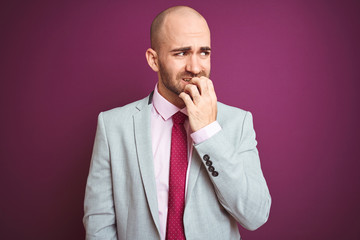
(180, 54)
(205, 53)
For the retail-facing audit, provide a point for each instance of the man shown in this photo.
(177, 164)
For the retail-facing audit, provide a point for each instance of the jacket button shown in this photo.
(208, 163)
(215, 173)
(206, 157)
(211, 169)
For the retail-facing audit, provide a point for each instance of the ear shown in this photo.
(152, 59)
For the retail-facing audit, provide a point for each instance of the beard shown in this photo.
(175, 85)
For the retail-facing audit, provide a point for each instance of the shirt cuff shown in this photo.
(206, 132)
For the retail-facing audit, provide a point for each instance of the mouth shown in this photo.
(187, 79)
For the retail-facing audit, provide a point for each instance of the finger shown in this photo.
(210, 85)
(211, 88)
(193, 91)
(201, 83)
(187, 100)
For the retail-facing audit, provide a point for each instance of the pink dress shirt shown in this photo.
(161, 126)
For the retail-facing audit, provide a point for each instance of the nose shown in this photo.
(193, 64)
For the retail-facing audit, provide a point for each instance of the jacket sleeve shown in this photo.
(99, 217)
(236, 173)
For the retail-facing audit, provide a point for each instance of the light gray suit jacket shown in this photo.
(120, 198)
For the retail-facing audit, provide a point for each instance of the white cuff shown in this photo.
(206, 132)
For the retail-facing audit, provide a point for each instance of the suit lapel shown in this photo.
(142, 125)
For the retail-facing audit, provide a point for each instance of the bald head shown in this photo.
(167, 17)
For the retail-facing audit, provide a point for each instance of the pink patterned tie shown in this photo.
(177, 179)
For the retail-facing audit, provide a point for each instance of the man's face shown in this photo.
(184, 52)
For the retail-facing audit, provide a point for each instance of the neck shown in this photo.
(170, 96)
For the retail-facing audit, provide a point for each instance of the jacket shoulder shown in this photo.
(126, 111)
(226, 112)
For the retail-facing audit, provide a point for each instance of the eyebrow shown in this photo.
(184, 49)
(205, 49)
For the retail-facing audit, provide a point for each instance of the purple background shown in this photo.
(293, 64)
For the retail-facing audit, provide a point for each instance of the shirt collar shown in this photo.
(165, 108)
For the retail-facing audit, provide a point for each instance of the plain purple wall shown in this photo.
(293, 64)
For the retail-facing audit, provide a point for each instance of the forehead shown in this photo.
(180, 30)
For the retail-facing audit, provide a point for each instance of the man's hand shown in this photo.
(201, 102)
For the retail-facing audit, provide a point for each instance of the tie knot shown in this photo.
(179, 118)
